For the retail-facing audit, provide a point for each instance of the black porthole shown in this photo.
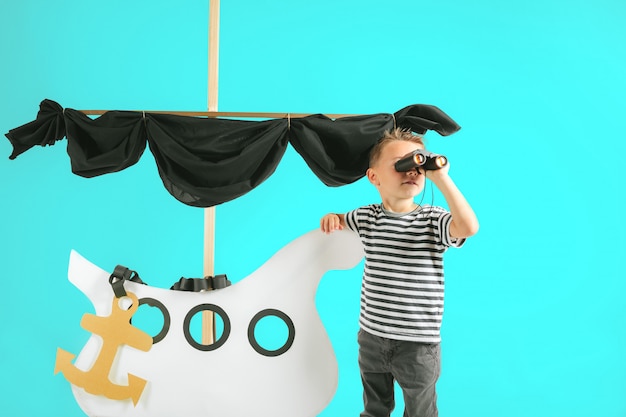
(166, 317)
(290, 337)
(223, 337)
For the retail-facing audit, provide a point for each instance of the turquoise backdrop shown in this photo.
(535, 321)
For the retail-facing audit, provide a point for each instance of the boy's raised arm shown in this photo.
(464, 221)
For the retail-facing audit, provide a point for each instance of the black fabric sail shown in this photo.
(204, 162)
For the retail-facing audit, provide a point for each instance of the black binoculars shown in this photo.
(421, 158)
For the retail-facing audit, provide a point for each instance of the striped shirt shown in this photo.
(403, 283)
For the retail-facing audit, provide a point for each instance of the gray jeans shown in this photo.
(415, 366)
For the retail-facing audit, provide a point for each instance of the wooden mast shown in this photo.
(208, 317)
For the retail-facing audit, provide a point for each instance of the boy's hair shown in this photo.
(390, 136)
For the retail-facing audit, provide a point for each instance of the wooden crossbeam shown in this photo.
(233, 114)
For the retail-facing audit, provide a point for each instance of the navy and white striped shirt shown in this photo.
(403, 282)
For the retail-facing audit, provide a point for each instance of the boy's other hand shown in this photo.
(330, 223)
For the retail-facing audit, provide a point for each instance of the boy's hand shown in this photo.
(332, 222)
(435, 175)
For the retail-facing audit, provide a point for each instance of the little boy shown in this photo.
(403, 284)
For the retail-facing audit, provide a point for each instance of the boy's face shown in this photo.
(391, 184)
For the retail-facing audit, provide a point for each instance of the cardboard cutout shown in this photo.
(114, 330)
(235, 376)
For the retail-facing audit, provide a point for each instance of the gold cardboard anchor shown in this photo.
(115, 330)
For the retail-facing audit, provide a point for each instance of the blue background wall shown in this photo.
(535, 321)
